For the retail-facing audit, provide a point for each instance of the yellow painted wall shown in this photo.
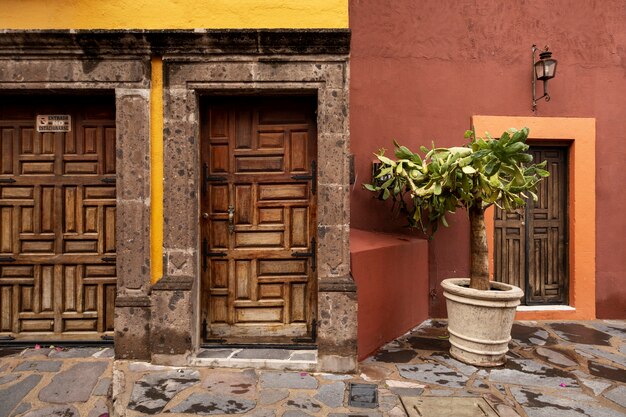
(172, 14)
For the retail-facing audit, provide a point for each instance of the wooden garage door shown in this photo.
(258, 217)
(531, 243)
(57, 206)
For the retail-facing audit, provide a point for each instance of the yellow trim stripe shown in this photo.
(156, 173)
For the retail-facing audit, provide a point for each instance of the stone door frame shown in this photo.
(161, 321)
(189, 78)
(88, 62)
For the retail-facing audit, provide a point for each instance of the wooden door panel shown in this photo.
(531, 243)
(299, 143)
(58, 222)
(546, 226)
(252, 285)
(510, 239)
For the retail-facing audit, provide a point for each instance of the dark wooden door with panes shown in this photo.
(531, 246)
(57, 210)
(258, 217)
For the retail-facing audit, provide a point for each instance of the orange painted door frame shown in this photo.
(580, 136)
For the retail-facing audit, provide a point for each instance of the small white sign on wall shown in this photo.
(54, 123)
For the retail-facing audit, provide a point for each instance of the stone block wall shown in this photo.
(161, 322)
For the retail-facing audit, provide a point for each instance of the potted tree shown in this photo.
(484, 172)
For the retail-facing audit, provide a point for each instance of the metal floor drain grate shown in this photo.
(363, 395)
(447, 406)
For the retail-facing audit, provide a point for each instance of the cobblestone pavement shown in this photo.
(554, 369)
(47, 382)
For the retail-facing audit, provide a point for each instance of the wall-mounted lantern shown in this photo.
(543, 69)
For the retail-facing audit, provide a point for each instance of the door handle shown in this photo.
(231, 219)
(205, 216)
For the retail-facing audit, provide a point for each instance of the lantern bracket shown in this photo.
(544, 57)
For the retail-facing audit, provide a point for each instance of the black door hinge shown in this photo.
(7, 259)
(108, 259)
(7, 180)
(312, 177)
(206, 254)
(108, 180)
(311, 254)
(206, 178)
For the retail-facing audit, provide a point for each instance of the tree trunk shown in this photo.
(479, 272)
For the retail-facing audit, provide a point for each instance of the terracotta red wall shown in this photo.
(420, 70)
(393, 295)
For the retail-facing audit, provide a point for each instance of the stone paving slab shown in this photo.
(331, 394)
(566, 369)
(303, 402)
(39, 385)
(232, 383)
(290, 380)
(528, 335)
(55, 411)
(39, 366)
(608, 372)
(603, 353)
(531, 373)
(216, 353)
(262, 354)
(579, 333)
(154, 391)
(614, 328)
(74, 384)
(434, 374)
(102, 389)
(209, 404)
(14, 394)
(617, 395)
(272, 396)
(595, 385)
(30, 353)
(560, 358)
(75, 353)
(540, 404)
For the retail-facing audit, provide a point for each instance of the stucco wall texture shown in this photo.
(173, 14)
(420, 70)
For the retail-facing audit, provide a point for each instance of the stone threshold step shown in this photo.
(276, 359)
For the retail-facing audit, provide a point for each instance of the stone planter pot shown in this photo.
(480, 322)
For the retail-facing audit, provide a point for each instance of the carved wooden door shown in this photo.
(258, 217)
(531, 243)
(57, 229)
